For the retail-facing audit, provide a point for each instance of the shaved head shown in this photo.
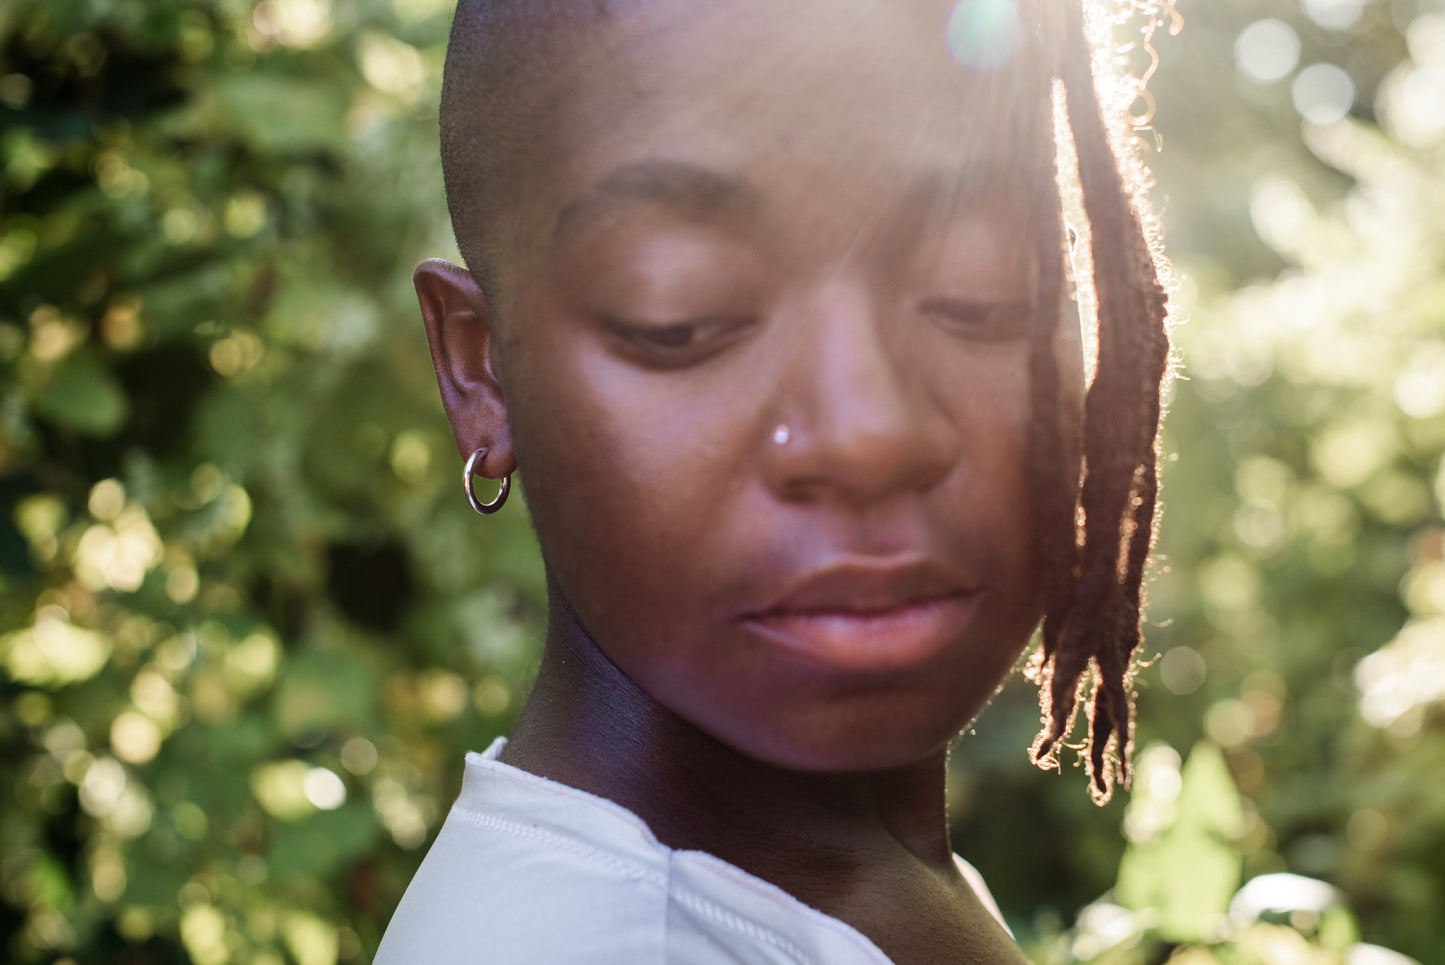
(510, 66)
(495, 101)
(525, 79)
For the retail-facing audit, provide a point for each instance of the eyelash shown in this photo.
(681, 343)
(983, 320)
(678, 343)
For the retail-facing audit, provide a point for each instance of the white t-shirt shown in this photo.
(527, 870)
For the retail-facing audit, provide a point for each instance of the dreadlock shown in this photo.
(1095, 539)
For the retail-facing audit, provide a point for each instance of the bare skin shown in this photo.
(868, 849)
(760, 353)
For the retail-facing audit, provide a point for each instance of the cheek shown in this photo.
(622, 487)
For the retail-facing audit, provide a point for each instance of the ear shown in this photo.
(459, 329)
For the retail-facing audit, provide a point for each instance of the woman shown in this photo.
(768, 304)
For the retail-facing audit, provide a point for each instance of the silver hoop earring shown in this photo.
(486, 509)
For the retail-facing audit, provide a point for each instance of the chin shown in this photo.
(855, 743)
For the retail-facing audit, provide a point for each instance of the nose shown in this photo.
(862, 422)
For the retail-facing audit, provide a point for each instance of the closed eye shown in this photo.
(675, 344)
(980, 319)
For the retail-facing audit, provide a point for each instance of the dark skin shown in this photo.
(762, 647)
(871, 849)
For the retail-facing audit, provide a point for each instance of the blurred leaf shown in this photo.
(322, 844)
(323, 689)
(272, 112)
(83, 396)
(1189, 869)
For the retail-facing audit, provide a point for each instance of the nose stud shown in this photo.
(781, 435)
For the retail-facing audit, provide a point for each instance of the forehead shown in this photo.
(848, 68)
(811, 103)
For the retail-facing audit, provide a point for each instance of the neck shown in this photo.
(587, 725)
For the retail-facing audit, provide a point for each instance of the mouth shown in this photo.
(869, 616)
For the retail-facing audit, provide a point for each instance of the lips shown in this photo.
(869, 614)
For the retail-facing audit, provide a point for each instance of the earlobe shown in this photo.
(459, 331)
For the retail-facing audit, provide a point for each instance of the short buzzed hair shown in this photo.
(495, 105)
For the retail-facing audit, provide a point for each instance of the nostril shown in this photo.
(860, 460)
(854, 414)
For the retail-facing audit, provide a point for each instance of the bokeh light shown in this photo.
(1323, 93)
(983, 34)
(1267, 50)
(1340, 15)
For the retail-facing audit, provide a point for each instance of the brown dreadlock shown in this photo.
(1094, 545)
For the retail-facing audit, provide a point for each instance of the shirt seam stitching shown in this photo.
(738, 923)
(562, 843)
(681, 895)
(839, 929)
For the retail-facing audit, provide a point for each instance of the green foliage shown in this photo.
(1181, 862)
(1178, 901)
(248, 626)
(1298, 598)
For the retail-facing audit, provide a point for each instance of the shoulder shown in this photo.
(980, 888)
(510, 880)
(528, 871)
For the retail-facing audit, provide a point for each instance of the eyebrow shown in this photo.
(681, 187)
(695, 192)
